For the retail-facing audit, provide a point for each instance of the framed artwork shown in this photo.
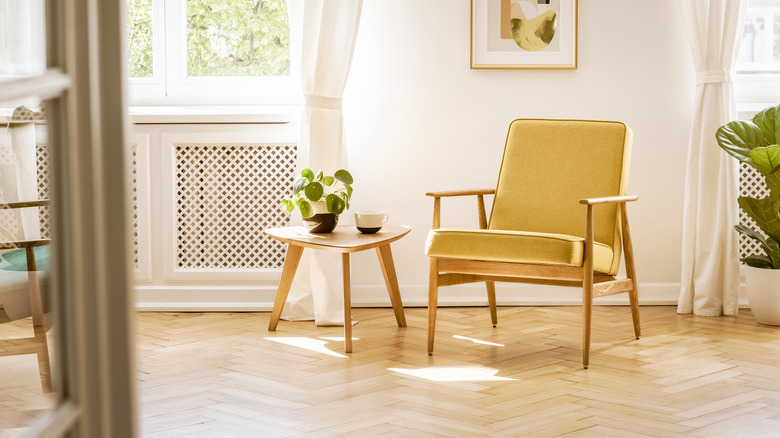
(524, 34)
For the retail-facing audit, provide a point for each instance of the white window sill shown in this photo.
(203, 114)
(214, 114)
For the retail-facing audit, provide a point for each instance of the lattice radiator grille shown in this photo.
(43, 192)
(42, 163)
(751, 183)
(225, 196)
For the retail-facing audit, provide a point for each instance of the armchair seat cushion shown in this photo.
(515, 247)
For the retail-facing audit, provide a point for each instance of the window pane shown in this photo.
(753, 38)
(139, 37)
(238, 38)
(776, 42)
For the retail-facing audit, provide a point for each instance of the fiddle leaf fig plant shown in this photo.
(334, 191)
(757, 143)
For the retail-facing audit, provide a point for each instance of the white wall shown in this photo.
(418, 119)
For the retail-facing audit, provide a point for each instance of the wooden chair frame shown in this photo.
(451, 271)
(37, 344)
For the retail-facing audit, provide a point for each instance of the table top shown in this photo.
(345, 238)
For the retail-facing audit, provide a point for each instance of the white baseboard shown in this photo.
(261, 298)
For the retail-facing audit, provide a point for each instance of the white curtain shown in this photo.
(327, 40)
(22, 50)
(710, 261)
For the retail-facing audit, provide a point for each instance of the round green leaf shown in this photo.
(343, 176)
(305, 208)
(314, 191)
(328, 180)
(307, 173)
(288, 205)
(335, 204)
(345, 197)
(300, 183)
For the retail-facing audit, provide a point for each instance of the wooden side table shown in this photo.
(345, 239)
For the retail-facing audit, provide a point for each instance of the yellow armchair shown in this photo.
(558, 217)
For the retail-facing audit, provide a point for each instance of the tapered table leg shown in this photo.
(347, 304)
(391, 280)
(288, 273)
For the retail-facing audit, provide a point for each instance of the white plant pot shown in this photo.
(319, 207)
(763, 291)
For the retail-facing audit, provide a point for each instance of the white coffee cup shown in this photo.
(370, 221)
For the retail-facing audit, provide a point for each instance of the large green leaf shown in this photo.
(766, 213)
(739, 137)
(770, 246)
(768, 121)
(758, 261)
(307, 173)
(766, 159)
(767, 244)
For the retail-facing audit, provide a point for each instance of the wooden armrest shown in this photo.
(24, 243)
(467, 192)
(25, 204)
(608, 199)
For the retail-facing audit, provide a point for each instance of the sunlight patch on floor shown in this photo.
(453, 374)
(477, 341)
(310, 344)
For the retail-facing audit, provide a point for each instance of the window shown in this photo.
(209, 52)
(758, 63)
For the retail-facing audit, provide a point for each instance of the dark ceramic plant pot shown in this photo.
(321, 223)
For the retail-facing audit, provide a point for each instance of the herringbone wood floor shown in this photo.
(225, 375)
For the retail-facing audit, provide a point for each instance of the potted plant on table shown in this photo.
(757, 143)
(320, 199)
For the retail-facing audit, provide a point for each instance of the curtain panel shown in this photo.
(710, 260)
(328, 34)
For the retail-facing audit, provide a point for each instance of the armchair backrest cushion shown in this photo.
(549, 165)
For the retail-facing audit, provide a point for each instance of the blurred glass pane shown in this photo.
(230, 38)
(752, 47)
(26, 319)
(22, 38)
(776, 37)
(139, 38)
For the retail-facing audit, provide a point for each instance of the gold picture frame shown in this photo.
(540, 34)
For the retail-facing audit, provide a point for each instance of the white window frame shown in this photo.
(170, 84)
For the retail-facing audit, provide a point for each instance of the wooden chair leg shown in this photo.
(587, 312)
(39, 326)
(628, 253)
(44, 365)
(433, 301)
(587, 286)
(491, 293)
(633, 297)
